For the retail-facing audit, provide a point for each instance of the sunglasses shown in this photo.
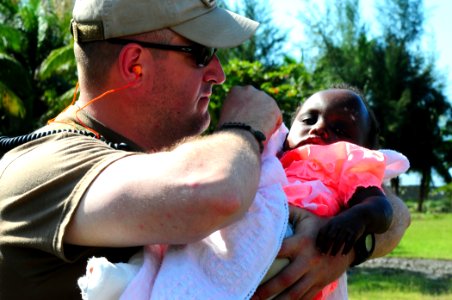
(203, 55)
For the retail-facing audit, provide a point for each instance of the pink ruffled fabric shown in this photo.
(324, 177)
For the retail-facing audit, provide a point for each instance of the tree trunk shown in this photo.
(395, 185)
(423, 190)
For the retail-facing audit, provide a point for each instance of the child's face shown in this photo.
(328, 117)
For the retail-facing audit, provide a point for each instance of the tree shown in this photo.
(14, 93)
(260, 62)
(266, 44)
(29, 31)
(288, 83)
(59, 68)
(412, 85)
(399, 82)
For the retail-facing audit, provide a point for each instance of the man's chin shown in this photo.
(199, 126)
(204, 124)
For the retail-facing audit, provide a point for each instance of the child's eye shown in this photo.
(309, 120)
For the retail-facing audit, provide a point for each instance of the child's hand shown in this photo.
(341, 232)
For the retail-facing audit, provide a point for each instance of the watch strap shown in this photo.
(364, 247)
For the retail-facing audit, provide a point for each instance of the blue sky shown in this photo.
(437, 37)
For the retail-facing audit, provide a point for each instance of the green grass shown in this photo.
(429, 236)
(381, 283)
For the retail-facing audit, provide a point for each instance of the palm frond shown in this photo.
(8, 8)
(59, 60)
(15, 76)
(49, 28)
(10, 39)
(59, 103)
(11, 103)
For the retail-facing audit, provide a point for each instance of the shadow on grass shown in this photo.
(378, 279)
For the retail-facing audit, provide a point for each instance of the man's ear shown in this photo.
(132, 60)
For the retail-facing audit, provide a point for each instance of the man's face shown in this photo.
(180, 93)
(328, 117)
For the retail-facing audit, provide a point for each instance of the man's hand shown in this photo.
(252, 107)
(308, 271)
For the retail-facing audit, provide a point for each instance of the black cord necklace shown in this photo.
(8, 143)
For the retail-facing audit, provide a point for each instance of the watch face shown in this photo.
(364, 247)
(369, 242)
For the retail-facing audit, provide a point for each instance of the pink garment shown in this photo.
(229, 264)
(322, 178)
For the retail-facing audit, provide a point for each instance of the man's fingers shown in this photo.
(246, 104)
(287, 277)
(290, 274)
(274, 286)
(301, 290)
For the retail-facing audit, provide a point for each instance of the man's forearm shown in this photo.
(387, 241)
(173, 197)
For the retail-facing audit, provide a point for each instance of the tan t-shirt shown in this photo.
(41, 184)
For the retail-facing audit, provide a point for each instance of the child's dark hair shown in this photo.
(374, 127)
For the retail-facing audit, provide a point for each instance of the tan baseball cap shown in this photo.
(201, 21)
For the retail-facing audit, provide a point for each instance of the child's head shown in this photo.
(329, 116)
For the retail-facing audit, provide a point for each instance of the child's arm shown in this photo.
(369, 211)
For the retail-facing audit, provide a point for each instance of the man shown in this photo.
(146, 70)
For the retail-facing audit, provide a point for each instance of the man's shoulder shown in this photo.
(60, 157)
(63, 143)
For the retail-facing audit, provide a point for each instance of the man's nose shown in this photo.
(214, 71)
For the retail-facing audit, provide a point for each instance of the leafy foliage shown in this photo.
(10, 102)
(288, 83)
(266, 44)
(29, 31)
(399, 81)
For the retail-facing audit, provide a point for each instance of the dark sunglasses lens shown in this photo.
(204, 55)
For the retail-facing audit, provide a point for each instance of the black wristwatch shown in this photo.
(364, 247)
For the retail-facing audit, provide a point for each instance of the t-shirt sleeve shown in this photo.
(42, 183)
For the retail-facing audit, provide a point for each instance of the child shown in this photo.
(331, 174)
(325, 118)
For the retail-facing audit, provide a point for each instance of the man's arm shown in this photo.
(182, 195)
(386, 242)
(309, 271)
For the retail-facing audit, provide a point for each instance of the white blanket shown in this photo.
(228, 264)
